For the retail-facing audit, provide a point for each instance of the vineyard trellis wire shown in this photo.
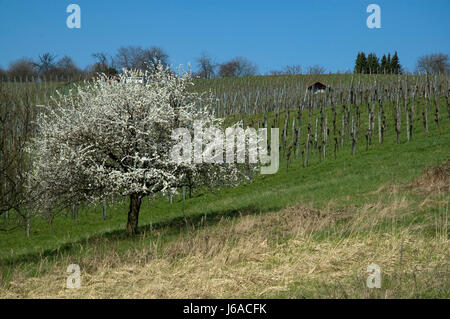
(358, 111)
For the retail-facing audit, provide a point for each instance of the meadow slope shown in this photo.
(319, 245)
(303, 232)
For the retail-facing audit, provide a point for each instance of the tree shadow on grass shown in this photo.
(171, 226)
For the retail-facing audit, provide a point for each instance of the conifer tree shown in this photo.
(361, 63)
(364, 66)
(383, 64)
(388, 64)
(395, 64)
(357, 68)
(373, 64)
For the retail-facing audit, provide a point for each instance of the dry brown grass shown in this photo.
(258, 256)
(298, 251)
(435, 180)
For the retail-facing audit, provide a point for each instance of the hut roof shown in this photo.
(317, 83)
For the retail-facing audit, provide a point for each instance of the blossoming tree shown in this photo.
(108, 137)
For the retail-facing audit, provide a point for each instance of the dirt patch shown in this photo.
(434, 180)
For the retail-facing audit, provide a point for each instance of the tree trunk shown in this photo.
(104, 209)
(133, 214)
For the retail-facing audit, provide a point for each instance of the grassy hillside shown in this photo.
(303, 232)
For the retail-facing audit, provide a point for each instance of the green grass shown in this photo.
(348, 176)
(317, 184)
(347, 182)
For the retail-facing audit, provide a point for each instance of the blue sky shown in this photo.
(270, 33)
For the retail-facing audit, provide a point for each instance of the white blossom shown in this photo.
(108, 137)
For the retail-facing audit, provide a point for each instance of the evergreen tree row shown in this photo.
(372, 65)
